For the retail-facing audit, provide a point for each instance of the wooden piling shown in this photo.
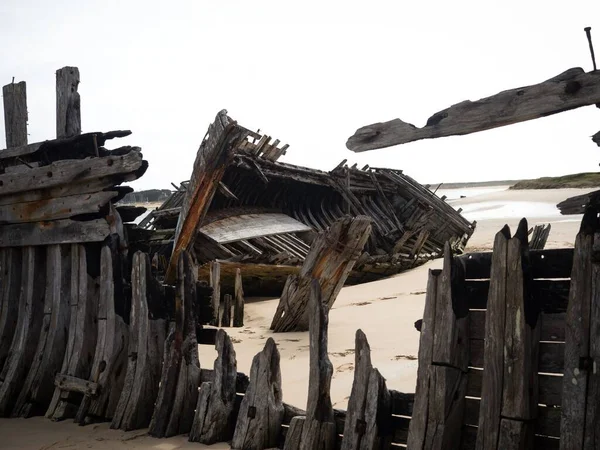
(215, 283)
(68, 103)
(15, 114)
(226, 314)
(238, 307)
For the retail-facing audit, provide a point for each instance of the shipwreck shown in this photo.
(263, 214)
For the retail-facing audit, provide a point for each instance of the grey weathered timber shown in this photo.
(369, 406)
(330, 259)
(15, 114)
(110, 359)
(22, 351)
(226, 314)
(188, 380)
(214, 420)
(74, 384)
(317, 429)
(70, 171)
(213, 156)
(54, 209)
(65, 231)
(571, 89)
(261, 412)
(238, 306)
(39, 385)
(10, 288)
(145, 350)
(215, 283)
(491, 390)
(576, 428)
(68, 103)
(81, 342)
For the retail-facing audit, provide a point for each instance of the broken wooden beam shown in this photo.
(261, 412)
(330, 259)
(571, 89)
(211, 161)
(15, 114)
(68, 103)
(214, 420)
(62, 231)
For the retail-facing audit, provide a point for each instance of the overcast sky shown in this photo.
(309, 74)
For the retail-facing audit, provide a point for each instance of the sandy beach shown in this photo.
(385, 310)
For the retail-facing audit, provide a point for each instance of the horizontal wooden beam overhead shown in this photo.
(55, 232)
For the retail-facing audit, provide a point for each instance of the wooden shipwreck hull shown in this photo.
(264, 214)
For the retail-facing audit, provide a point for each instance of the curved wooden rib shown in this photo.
(10, 271)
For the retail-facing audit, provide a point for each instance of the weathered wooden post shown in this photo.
(68, 103)
(330, 259)
(226, 314)
(238, 307)
(509, 390)
(369, 408)
(214, 420)
(15, 114)
(316, 431)
(178, 393)
(215, 283)
(581, 381)
(261, 412)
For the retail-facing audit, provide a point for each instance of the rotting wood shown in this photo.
(15, 114)
(81, 342)
(74, 384)
(572, 89)
(238, 307)
(369, 406)
(214, 420)
(39, 385)
(211, 161)
(226, 314)
(110, 359)
(215, 283)
(330, 259)
(10, 285)
(54, 209)
(68, 103)
(261, 412)
(22, 351)
(581, 321)
(145, 350)
(317, 429)
(63, 231)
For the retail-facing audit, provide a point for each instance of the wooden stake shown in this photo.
(238, 307)
(215, 283)
(15, 114)
(226, 316)
(68, 103)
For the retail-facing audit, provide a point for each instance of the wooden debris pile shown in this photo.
(262, 215)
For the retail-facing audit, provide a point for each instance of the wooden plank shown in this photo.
(63, 231)
(28, 329)
(212, 158)
(15, 113)
(261, 412)
(551, 356)
(68, 103)
(10, 285)
(491, 390)
(74, 384)
(552, 329)
(38, 388)
(331, 257)
(572, 89)
(70, 171)
(577, 337)
(54, 209)
(238, 307)
(214, 420)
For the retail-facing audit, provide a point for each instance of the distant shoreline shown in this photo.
(573, 181)
(469, 184)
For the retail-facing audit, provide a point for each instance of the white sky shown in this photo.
(309, 74)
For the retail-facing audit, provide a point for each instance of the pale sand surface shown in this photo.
(385, 310)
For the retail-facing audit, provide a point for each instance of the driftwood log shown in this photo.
(316, 430)
(261, 412)
(178, 393)
(569, 90)
(369, 408)
(214, 420)
(330, 259)
(146, 340)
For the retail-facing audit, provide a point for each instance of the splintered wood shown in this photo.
(330, 259)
